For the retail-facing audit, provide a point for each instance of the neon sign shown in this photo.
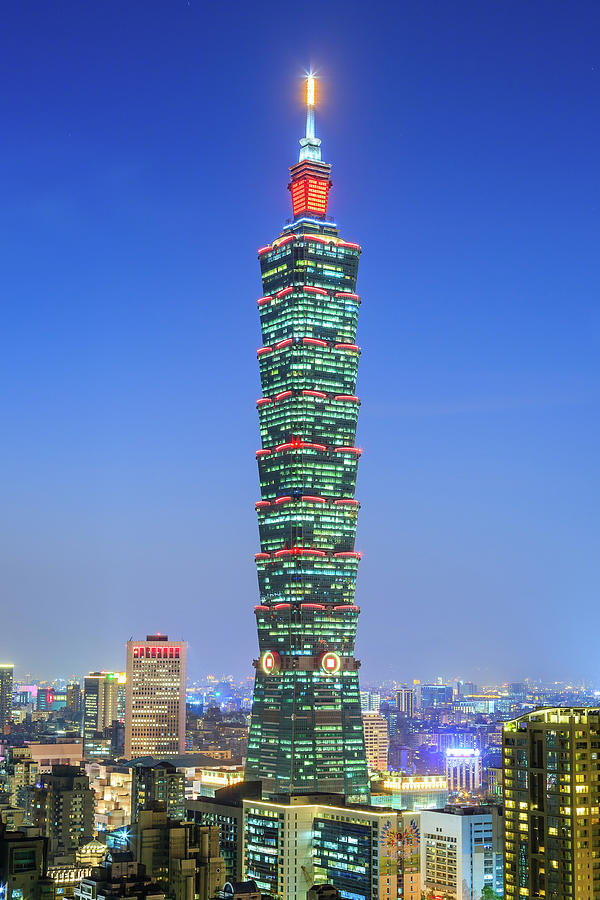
(156, 652)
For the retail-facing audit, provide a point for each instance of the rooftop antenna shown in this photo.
(310, 146)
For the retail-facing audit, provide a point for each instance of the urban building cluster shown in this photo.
(485, 801)
(136, 784)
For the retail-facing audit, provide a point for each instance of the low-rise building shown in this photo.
(67, 877)
(409, 792)
(119, 877)
(61, 753)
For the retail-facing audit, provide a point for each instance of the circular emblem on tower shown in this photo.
(270, 662)
(330, 662)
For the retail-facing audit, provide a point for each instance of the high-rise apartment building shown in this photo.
(74, 696)
(6, 690)
(551, 802)
(461, 852)
(376, 741)
(463, 769)
(103, 705)
(62, 807)
(22, 771)
(155, 705)
(157, 783)
(306, 731)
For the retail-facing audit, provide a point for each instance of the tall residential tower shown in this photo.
(551, 804)
(306, 732)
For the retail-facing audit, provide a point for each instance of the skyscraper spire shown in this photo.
(310, 146)
(310, 182)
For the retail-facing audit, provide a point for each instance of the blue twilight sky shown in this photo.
(145, 153)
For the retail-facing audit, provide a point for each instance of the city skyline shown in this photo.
(127, 337)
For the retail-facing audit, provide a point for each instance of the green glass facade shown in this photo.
(306, 731)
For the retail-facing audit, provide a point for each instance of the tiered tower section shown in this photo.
(306, 732)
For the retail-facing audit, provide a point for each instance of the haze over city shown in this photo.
(145, 158)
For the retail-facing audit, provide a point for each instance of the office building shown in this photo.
(466, 688)
(24, 865)
(155, 705)
(551, 802)
(376, 741)
(306, 730)
(157, 783)
(461, 852)
(463, 769)
(62, 807)
(6, 690)
(433, 696)
(404, 702)
(48, 700)
(297, 841)
(103, 705)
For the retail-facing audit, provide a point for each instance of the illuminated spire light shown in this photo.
(310, 144)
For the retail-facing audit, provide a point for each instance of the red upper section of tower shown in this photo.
(310, 186)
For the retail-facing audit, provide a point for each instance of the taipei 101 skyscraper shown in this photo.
(306, 732)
